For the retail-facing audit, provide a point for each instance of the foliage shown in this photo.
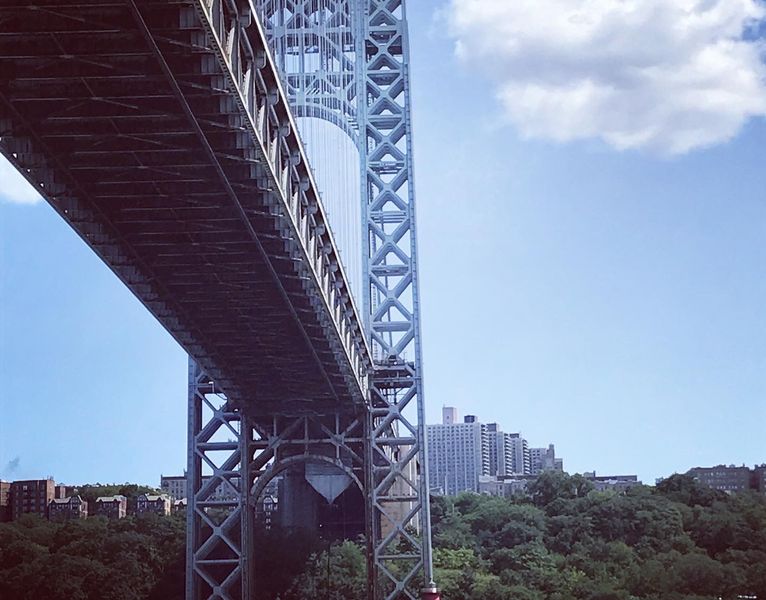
(93, 559)
(91, 491)
(678, 541)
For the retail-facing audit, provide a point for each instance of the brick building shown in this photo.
(150, 503)
(112, 507)
(758, 479)
(67, 509)
(180, 505)
(31, 496)
(729, 479)
(5, 501)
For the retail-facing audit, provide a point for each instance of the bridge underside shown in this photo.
(119, 114)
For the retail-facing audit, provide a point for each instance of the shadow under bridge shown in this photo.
(159, 131)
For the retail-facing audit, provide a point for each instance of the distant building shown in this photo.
(5, 501)
(508, 452)
(67, 509)
(758, 479)
(112, 507)
(620, 483)
(150, 503)
(174, 486)
(544, 459)
(458, 454)
(449, 415)
(520, 458)
(729, 479)
(506, 486)
(500, 459)
(31, 496)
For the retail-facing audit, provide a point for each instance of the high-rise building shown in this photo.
(458, 454)
(508, 452)
(449, 415)
(462, 453)
(519, 452)
(498, 461)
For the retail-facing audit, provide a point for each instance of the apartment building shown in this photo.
(71, 508)
(112, 507)
(5, 501)
(158, 504)
(731, 479)
(458, 455)
(31, 496)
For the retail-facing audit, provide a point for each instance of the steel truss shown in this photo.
(240, 454)
(391, 302)
(360, 51)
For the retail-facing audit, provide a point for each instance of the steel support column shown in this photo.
(232, 456)
(400, 494)
(358, 79)
(219, 517)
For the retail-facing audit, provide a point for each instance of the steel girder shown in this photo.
(232, 451)
(313, 45)
(233, 31)
(160, 132)
(358, 79)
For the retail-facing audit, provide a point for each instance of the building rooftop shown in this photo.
(117, 498)
(154, 497)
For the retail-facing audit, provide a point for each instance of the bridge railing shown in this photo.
(242, 50)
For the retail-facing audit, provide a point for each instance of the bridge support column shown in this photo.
(232, 456)
(218, 481)
(398, 488)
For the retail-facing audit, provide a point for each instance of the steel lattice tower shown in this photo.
(345, 62)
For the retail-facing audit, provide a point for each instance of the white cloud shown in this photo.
(14, 188)
(664, 75)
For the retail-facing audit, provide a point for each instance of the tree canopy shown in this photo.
(676, 541)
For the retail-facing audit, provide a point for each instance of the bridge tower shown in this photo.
(345, 63)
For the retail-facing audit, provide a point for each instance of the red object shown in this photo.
(430, 593)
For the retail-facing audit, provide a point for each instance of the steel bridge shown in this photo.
(167, 134)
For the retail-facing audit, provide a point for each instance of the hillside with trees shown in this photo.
(676, 541)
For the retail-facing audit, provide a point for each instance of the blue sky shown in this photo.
(593, 266)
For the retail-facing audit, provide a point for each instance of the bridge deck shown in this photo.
(120, 113)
